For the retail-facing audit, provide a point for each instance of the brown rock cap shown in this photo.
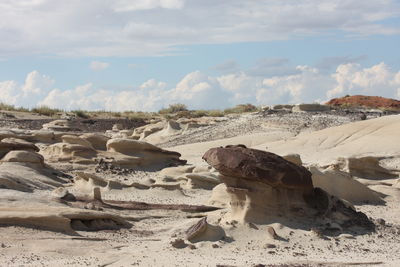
(257, 165)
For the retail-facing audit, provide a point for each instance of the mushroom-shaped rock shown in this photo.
(258, 165)
(263, 188)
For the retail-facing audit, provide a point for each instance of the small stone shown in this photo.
(381, 221)
(215, 246)
(197, 229)
(178, 243)
(191, 246)
(269, 246)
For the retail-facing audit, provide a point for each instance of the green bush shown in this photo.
(173, 108)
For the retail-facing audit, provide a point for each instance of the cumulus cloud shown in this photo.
(159, 27)
(353, 79)
(35, 87)
(98, 65)
(200, 91)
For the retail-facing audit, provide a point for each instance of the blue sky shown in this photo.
(147, 54)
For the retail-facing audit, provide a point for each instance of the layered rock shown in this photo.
(142, 154)
(61, 126)
(9, 144)
(124, 153)
(263, 187)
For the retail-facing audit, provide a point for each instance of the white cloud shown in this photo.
(200, 91)
(36, 87)
(157, 27)
(129, 5)
(353, 79)
(98, 65)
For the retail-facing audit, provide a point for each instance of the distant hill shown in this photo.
(366, 101)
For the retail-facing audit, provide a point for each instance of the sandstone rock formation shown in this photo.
(9, 144)
(263, 188)
(365, 167)
(128, 152)
(98, 141)
(343, 185)
(61, 126)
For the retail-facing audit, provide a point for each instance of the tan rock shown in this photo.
(98, 141)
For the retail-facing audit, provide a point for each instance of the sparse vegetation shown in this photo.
(174, 111)
(8, 107)
(81, 114)
(46, 111)
(242, 108)
(173, 108)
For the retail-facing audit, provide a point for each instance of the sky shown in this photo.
(143, 55)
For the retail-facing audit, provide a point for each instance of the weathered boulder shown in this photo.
(260, 166)
(23, 156)
(142, 155)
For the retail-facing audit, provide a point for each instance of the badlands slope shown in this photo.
(172, 193)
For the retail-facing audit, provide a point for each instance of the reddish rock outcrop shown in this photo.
(366, 101)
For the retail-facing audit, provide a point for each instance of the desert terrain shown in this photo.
(304, 185)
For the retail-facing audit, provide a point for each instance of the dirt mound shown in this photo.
(366, 101)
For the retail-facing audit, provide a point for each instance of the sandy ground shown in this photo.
(148, 241)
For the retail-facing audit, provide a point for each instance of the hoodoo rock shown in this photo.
(262, 187)
(260, 166)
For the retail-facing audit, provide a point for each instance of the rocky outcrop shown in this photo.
(263, 187)
(9, 144)
(365, 101)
